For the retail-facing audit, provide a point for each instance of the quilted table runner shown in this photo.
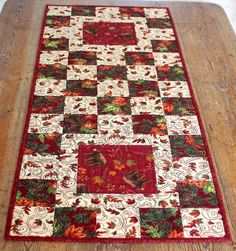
(113, 147)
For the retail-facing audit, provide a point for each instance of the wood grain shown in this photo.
(209, 49)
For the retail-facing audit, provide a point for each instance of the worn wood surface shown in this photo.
(209, 49)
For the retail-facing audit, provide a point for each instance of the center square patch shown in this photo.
(113, 149)
(116, 169)
(109, 33)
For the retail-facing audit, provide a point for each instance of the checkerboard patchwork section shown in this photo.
(113, 147)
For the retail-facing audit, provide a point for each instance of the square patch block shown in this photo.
(58, 21)
(114, 105)
(109, 226)
(111, 55)
(82, 58)
(187, 146)
(195, 168)
(141, 72)
(36, 193)
(149, 124)
(139, 58)
(178, 89)
(172, 59)
(81, 88)
(170, 73)
(80, 123)
(32, 221)
(132, 12)
(43, 143)
(82, 72)
(156, 12)
(202, 223)
(142, 88)
(45, 123)
(178, 106)
(49, 87)
(182, 125)
(116, 169)
(107, 13)
(160, 23)
(109, 88)
(53, 57)
(164, 46)
(55, 44)
(55, 71)
(53, 32)
(59, 11)
(109, 33)
(146, 106)
(40, 167)
(115, 125)
(197, 193)
(161, 223)
(48, 104)
(80, 105)
(89, 11)
(160, 34)
(111, 72)
(77, 223)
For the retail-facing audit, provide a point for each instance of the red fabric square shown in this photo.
(34, 192)
(108, 33)
(80, 222)
(132, 12)
(116, 169)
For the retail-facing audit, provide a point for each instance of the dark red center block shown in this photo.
(109, 33)
(116, 169)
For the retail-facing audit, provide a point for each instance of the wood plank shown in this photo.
(210, 58)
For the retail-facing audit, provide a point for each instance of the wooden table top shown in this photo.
(209, 46)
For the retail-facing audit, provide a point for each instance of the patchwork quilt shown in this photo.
(113, 149)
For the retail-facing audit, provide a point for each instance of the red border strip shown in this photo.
(7, 236)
